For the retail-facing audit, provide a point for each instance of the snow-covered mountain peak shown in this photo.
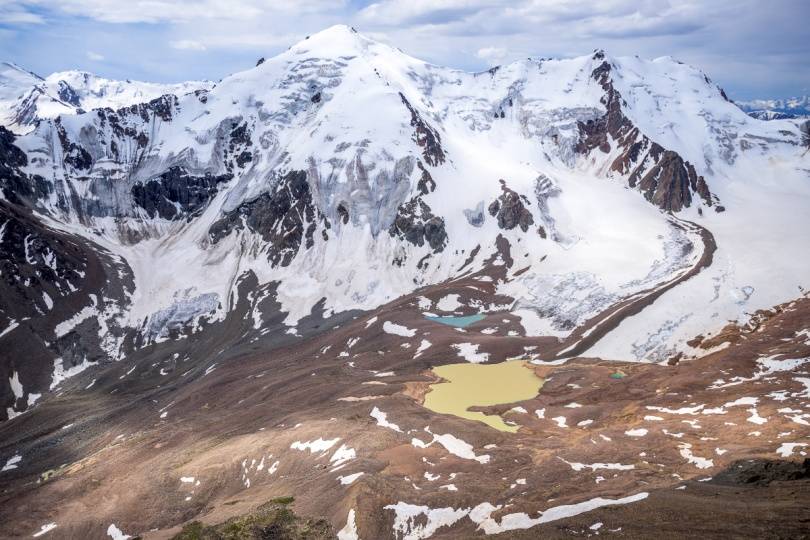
(25, 97)
(344, 145)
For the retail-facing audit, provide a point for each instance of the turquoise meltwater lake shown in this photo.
(458, 322)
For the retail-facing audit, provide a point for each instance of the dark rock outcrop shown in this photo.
(285, 217)
(73, 154)
(670, 183)
(426, 183)
(761, 472)
(175, 193)
(237, 152)
(510, 210)
(16, 186)
(68, 94)
(425, 136)
(415, 223)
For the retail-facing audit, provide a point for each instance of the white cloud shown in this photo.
(492, 55)
(397, 12)
(187, 45)
(94, 56)
(13, 12)
(179, 11)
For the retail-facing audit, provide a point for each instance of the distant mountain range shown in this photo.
(777, 109)
(26, 97)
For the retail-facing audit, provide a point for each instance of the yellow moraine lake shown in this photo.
(469, 385)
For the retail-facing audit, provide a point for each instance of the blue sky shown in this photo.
(753, 48)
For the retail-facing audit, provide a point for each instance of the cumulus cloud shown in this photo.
(492, 55)
(176, 11)
(13, 12)
(94, 56)
(187, 45)
(397, 12)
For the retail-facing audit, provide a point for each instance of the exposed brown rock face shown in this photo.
(510, 210)
(665, 179)
(670, 183)
(425, 136)
(285, 217)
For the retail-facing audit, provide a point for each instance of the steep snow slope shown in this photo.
(24, 98)
(343, 173)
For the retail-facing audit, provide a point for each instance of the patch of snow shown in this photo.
(469, 352)
(382, 419)
(318, 445)
(398, 329)
(349, 531)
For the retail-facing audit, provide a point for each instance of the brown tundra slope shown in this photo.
(709, 447)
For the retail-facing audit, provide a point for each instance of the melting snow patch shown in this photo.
(44, 529)
(414, 522)
(786, 449)
(342, 455)
(382, 419)
(60, 373)
(699, 462)
(11, 463)
(350, 478)
(349, 531)
(596, 466)
(422, 348)
(637, 432)
(755, 418)
(115, 533)
(318, 445)
(561, 421)
(470, 353)
(452, 444)
(425, 303)
(449, 303)
(408, 524)
(398, 329)
(683, 410)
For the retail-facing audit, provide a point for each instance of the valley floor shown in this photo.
(204, 429)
